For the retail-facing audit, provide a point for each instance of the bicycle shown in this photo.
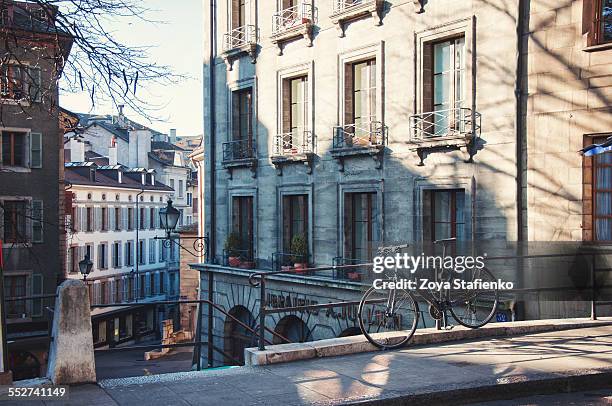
(395, 310)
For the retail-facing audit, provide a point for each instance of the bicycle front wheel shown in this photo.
(475, 307)
(377, 317)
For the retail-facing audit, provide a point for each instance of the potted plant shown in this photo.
(232, 247)
(299, 252)
(354, 276)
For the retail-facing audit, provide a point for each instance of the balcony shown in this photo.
(291, 23)
(444, 129)
(348, 10)
(359, 139)
(293, 147)
(239, 41)
(240, 153)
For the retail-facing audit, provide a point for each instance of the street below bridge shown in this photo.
(541, 367)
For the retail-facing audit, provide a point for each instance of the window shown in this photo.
(361, 229)
(181, 188)
(142, 218)
(141, 252)
(443, 214)
(295, 112)
(238, 13)
(20, 82)
(295, 219)
(102, 256)
(89, 251)
(242, 115)
(130, 288)
(152, 284)
(103, 292)
(89, 219)
(181, 216)
(130, 224)
(116, 254)
(189, 199)
(129, 253)
(447, 84)
(142, 286)
(14, 221)
(15, 286)
(104, 222)
(242, 222)
(602, 197)
(162, 282)
(162, 252)
(14, 148)
(597, 21)
(74, 259)
(360, 98)
(117, 218)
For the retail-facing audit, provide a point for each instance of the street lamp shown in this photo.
(85, 266)
(169, 217)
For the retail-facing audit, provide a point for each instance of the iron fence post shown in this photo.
(199, 337)
(593, 290)
(262, 313)
(210, 320)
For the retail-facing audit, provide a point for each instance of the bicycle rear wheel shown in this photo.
(375, 319)
(475, 308)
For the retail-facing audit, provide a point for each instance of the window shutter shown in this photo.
(147, 285)
(124, 217)
(157, 282)
(83, 219)
(34, 81)
(348, 224)
(37, 221)
(286, 107)
(348, 94)
(119, 254)
(125, 289)
(36, 150)
(37, 289)
(111, 218)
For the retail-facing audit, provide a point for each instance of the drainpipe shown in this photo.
(518, 311)
(519, 121)
(212, 135)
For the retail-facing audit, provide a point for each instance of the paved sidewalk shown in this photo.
(496, 368)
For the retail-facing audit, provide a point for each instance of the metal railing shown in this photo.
(293, 143)
(292, 17)
(371, 133)
(238, 37)
(239, 149)
(455, 122)
(287, 259)
(344, 5)
(340, 273)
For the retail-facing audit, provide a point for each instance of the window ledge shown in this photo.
(304, 30)
(13, 102)
(17, 169)
(250, 163)
(306, 158)
(374, 151)
(599, 47)
(373, 8)
(230, 55)
(424, 147)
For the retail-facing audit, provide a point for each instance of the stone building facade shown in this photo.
(357, 123)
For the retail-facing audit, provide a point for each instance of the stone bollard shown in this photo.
(71, 356)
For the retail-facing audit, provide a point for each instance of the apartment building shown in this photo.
(114, 221)
(31, 184)
(354, 123)
(125, 142)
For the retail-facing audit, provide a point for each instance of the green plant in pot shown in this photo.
(232, 248)
(299, 252)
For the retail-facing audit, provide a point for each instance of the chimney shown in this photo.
(112, 155)
(77, 150)
(121, 122)
(139, 148)
(172, 135)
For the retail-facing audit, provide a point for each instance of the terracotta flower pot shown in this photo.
(354, 276)
(300, 267)
(247, 265)
(234, 262)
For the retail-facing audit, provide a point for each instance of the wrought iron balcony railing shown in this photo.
(344, 5)
(292, 17)
(239, 37)
(293, 143)
(367, 134)
(239, 149)
(458, 122)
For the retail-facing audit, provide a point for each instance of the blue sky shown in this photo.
(177, 43)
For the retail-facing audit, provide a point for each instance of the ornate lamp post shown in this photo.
(85, 266)
(168, 219)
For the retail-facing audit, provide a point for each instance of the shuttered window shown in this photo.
(36, 156)
(14, 148)
(37, 221)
